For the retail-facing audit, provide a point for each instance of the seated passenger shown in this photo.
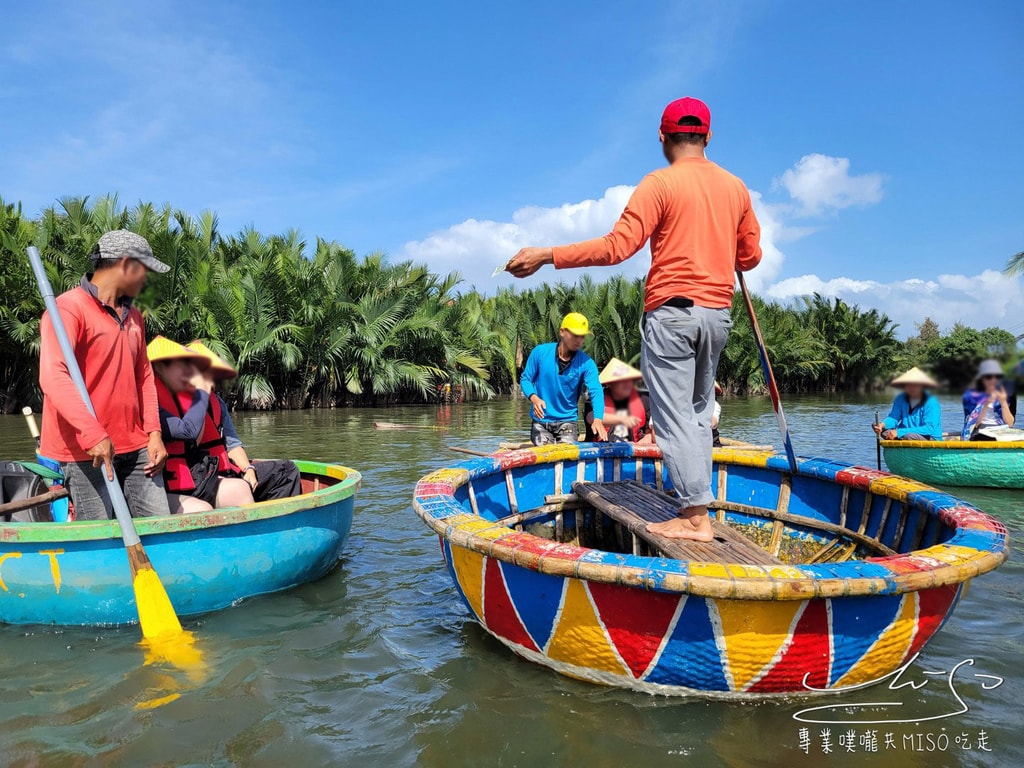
(627, 412)
(986, 404)
(268, 479)
(915, 414)
(194, 462)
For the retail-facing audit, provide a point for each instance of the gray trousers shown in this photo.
(552, 432)
(145, 495)
(679, 356)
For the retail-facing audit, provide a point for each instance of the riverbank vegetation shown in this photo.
(310, 324)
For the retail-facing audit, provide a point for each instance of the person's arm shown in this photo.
(748, 239)
(635, 226)
(55, 381)
(1004, 403)
(933, 418)
(190, 426)
(149, 408)
(236, 451)
(528, 384)
(592, 380)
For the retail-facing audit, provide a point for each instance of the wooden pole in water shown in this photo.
(878, 445)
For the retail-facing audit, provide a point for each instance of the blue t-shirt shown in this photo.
(561, 391)
(924, 420)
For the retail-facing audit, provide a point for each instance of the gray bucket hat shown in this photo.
(988, 368)
(120, 244)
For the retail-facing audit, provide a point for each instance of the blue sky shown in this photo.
(881, 141)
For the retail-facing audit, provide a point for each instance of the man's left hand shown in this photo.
(528, 261)
(599, 429)
(157, 455)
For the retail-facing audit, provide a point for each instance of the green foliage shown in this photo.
(312, 325)
(954, 358)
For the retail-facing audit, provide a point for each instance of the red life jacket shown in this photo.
(636, 408)
(212, 441)
(177, 475)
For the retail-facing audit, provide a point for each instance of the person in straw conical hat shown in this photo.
(267, 479)
(627, 412)
(192, 472)
(915, 413)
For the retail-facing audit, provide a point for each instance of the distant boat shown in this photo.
(985, 464)
(77, 573)
(832, 577)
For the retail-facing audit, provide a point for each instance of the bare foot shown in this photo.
(693, 524)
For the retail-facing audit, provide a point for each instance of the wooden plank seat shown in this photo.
(634, 505)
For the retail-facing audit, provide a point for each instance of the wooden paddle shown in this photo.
(32, 501)
(30, 419)
(470, 451)
(156, 614)
(769, 376)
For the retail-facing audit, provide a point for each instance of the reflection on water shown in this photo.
(378, 663)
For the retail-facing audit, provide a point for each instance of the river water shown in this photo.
(379, 664)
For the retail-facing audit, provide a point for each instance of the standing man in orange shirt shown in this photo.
(702, 228)
(109, 339)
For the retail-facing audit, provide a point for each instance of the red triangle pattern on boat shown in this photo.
(933, 607)
(499, 613)
(809, 649)
(635, 627)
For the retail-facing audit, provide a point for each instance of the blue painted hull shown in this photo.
(206, 562)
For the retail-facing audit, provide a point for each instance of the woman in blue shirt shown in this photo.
(915, 414)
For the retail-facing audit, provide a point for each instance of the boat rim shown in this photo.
(979, 544)
(92, 530)
(954, 445)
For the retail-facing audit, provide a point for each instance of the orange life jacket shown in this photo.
(177, 475)
(636, 408)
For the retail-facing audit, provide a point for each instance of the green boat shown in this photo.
(957, 462)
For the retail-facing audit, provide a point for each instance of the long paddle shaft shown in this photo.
(156, 614)
(878, 445)
(769, 376)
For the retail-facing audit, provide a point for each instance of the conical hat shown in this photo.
(914, 376)
(220, 367)
(616, 370)
(162, 348)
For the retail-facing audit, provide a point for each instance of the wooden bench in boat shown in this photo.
(634, 505)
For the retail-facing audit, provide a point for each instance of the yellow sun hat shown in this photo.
(162, 348)
(616, 370)
(220, 367)
(576, 324)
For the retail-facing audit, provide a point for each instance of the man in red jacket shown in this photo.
(702, 228)
(109, 340)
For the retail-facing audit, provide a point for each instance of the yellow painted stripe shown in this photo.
(889, 650)
(951, 554)
(579, 638)
(754, 634)
(469, 568)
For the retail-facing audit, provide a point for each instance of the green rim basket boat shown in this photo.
(839, 574)
(985, 464)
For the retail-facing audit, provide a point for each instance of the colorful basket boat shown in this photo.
(77, 573)
(617, 616)
(958, 462)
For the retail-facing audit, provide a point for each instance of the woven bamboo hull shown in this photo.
(684, 628)
(981, 464)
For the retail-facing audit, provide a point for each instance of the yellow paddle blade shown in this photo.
(178, 650)
(156, 614)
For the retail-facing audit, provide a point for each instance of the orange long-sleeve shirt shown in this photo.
(701, 226)
(117, 373)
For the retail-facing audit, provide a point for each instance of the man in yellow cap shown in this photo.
(553, 380)
(627, 411)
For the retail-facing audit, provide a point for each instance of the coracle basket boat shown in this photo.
(817, 581)
(987, 464)
(76, 573)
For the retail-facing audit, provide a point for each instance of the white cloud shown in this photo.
(820, 183)
(982, 300)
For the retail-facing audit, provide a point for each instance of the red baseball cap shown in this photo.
(686, 107)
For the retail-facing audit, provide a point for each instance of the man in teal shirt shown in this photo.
(553, 381)
(915, 414)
